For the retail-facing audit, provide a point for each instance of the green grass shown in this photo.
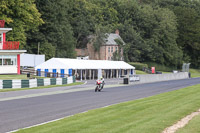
(166, 72)
(195, 73)
(160, 67)
(140, 72)
(148, 115)
(13, 77)
(41, 87)
(9, 77)
(192, 126)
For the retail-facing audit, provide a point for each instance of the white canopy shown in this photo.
(65, 63)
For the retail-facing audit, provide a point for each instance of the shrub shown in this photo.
(138, 66)
(160, 67)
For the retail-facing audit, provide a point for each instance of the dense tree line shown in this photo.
(162, 31)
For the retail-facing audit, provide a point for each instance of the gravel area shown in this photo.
(180, 124)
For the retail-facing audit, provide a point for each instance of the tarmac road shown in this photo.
(21, 112)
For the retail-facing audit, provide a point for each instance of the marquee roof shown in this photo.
(65, 63)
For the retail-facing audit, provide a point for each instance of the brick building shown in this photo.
(106, 50)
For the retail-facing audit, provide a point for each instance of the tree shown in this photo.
(81, 19)
(21, 16)
(56, 32)
(188, 17)
(98, 38)
(189, 32)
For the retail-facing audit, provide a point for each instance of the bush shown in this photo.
(160, 67)
(138, 66)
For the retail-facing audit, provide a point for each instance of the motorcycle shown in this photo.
(99, 85)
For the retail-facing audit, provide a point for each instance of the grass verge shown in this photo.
(192, 126)
(41, 87)
(195, 73)
(10, 77)
(148, 115)
(140, 72)
(13, 76)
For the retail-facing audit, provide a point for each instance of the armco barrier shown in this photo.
(53, 81)
(64, 80)
(47, 82)
(59, 81)
(16, 83)
(70, 80)
(40, 82)
(24, 83)
(7, 84)
(30, 83)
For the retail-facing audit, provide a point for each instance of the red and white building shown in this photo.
(9, 53)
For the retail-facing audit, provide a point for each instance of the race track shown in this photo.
(20, 113)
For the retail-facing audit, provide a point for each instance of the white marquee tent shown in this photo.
(56, 64)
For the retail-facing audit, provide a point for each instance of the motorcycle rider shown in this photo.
(102, 82)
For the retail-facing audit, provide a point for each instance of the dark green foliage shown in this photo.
(21, 16)
(160, 67)
(117, 54)
(99, 38)
(188, 26)
(138, 66)
(166, 32)
(55, 35)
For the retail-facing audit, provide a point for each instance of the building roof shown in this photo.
(4, 30)
(111, 39)
(65, 63)
(5, 52)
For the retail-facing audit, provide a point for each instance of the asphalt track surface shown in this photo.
(25, 112)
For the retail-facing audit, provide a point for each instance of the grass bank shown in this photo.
(148, 115)
(192, 126)
(13, 76)
(140, 72)
(10, 77)
(195, 73)
(41, 87)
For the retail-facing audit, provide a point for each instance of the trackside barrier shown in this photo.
(16, 83)
(1, 84)
(47, 82)
(148, 78)
(30, 83)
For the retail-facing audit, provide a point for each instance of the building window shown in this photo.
(8, 60)
(116, 48)
(111, 49)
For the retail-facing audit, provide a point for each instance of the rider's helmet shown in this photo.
(101, 78)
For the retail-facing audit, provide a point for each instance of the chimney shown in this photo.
(117, 31)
